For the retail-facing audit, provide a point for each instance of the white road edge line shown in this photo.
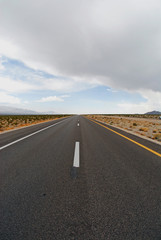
(20, 139)
(76, 155)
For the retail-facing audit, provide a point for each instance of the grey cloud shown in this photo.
(117, 42)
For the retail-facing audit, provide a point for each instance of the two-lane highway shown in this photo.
(78, 180)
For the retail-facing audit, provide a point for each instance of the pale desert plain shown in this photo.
(146, 127)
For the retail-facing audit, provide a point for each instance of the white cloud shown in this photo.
(10, 85)
(6, 98)
(8, 48)
(65, 96)
(133, 108)
(153, 102)
(51, 99)
(66, 85)
(25, 102)
(1, 66)
(33, 81)
(116, 42)
(1, 63)
(111, 90)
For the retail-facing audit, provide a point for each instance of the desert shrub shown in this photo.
(157, 136)
(134, 124)
(144, 129)
(13, 120)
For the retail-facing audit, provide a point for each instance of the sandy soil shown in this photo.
(18, 123)
(150, 128)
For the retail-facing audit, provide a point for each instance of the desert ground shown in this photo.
(148, 127)
(9, 122)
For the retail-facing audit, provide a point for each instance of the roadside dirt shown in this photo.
(150, 128)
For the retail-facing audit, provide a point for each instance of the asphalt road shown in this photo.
(113, 193)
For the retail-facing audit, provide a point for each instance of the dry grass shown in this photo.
(150, 128)
(144, 129)
(157, 136)
(9, 122)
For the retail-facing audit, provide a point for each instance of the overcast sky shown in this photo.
(101, 56)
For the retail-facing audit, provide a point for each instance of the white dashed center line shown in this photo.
(76, 155)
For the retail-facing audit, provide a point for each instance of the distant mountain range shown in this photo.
(153, 113)
(4, 110)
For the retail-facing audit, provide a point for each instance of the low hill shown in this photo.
(5, 110)
(153, 113)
